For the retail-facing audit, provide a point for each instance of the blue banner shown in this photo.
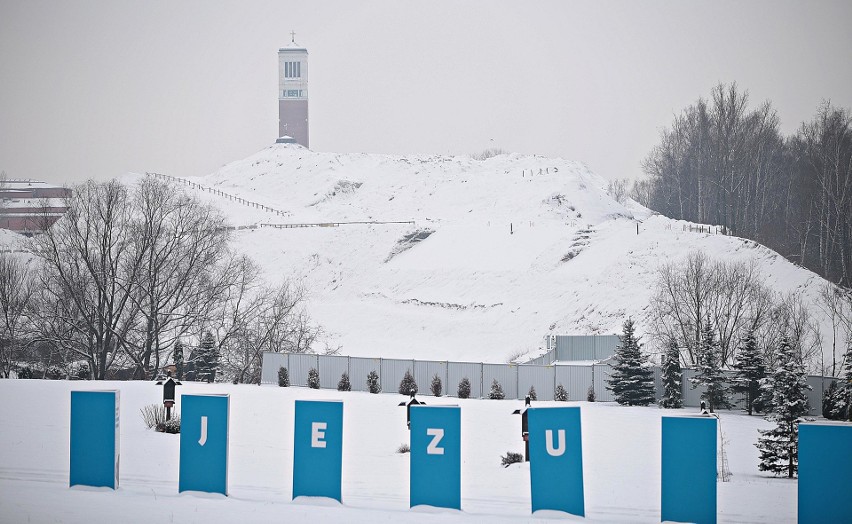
(436, 456)
(318, 449)
(204, 443)
(94, 438)
(689, 469)
(556, 460)
(825, 472)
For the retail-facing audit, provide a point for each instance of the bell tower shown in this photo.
(293, 92)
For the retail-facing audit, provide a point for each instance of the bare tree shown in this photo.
(16, 292)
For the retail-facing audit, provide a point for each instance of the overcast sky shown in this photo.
(97, 89)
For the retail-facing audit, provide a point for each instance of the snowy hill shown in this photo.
(498, 253)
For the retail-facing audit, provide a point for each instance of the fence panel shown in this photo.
(269, 368)
(575, 379)
(359, 368)
(602, 372)
(392, 372)
(539, 377)
(456, 371)
(505, 374)
(425, 370)
(300, 364)
(331, 368)
(691, 397)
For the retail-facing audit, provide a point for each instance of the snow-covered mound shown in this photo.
(491, 256)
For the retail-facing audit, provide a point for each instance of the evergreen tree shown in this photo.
(590, 394)
(710, 371)
(844, 392)
(560, 394)
(177, 356)
(496, 392)
(750, 370)
(833, 402)
(373, 385)
(407, 385)
(672, 377)
(313, 378)
(283, 377)
(632, 379)
(531, 393)
(343, 384)
(207, 362)
(779, 446)
(437, 386)
(464, 388)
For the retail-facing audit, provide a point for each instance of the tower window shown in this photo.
(292, 69)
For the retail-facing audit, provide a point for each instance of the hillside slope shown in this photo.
(498, 254)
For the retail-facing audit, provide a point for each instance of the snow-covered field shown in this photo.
(520, 247)
(621, 455)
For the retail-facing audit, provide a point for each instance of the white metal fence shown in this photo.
(515, 379)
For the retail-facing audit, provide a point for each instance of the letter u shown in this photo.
(548, 442)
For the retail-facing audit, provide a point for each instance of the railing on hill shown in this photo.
(218, 192)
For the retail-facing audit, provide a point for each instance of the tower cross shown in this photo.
(293, 36)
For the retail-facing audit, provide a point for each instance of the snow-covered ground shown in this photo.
(520, 247)
(621, 455)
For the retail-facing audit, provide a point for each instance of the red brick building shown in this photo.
(29, 207)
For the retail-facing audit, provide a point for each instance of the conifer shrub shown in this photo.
(496, 392)
(313, 378)
(373, 385)
(437, 387)
(532, 394)
(403, 448)
(343, 384)
(590, 394)
(561, 394)
(511, 458)
(407, 385)
(283, 377)
(464, 388)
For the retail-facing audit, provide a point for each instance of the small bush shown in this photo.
(373, 385)
(343, 384)
(172, 426)
(313, 378)
(437, 387)
(403, 448)
(81, 372)
(590, 395)
(560, 394)
(25, 372)
(54, 373)
(407, 385)
(511, 458)
(283, 377)
(531, 393)
(496, 392)
(154, 415)
(464, 388)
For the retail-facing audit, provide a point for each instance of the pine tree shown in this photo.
(207, 362)
(672, 376)
(407, 385)
(632, 379)
(833, 402)
(531, 393)
(177, 356)
(283, 377)
(710, 371)
(496, 392)
(749, 371)
(779, 446)
(373, 385)
(437, 386)
(313, 378)
(343, 384)
(844, 392)
(590, 394)
(560, 394)
(464, 388)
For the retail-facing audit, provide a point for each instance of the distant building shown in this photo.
(293, 92)
(29, 207)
